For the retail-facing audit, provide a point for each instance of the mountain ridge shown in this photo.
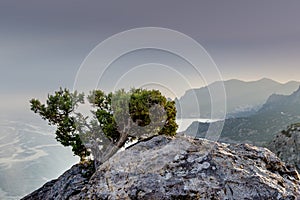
(260, 127)
(243, 97)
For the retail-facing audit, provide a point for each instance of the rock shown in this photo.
(67, 185)
(286, 145)
(185, 168)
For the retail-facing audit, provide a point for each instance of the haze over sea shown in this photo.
(184, 123)
(29, 156)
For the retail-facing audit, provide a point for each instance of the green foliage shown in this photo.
(58, 111)
(119, 113)
(120, 116)
(142, 101)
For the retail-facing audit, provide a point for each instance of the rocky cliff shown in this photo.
(179, 168)
(286, 145)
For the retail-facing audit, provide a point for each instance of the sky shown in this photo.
(43, 43)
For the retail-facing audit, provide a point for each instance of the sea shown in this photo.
(184, 123)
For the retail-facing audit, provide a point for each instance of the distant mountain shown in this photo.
(243, 98)
(261, 127)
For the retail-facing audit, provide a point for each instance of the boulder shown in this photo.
(183, 168)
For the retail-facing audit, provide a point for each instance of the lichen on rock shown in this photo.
(185, 168)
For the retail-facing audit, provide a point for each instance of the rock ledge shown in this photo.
(180, 168)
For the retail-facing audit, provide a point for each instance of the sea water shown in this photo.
(184, 123)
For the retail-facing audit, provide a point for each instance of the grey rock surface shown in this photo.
(184, 168)
(286, 145)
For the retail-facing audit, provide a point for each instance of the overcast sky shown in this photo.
(43, 43)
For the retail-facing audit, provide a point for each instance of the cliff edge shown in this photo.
(179, 168)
